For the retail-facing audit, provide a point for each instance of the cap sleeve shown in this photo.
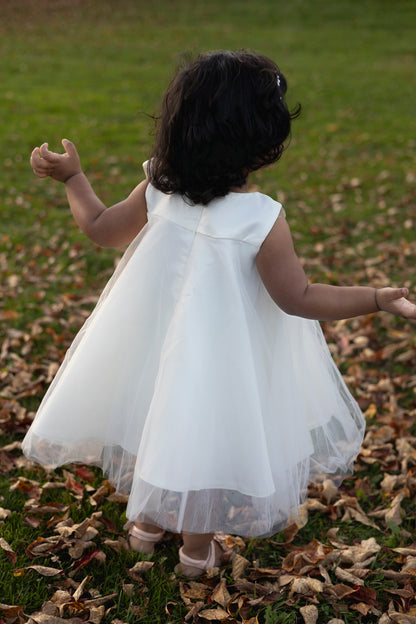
(152, 198)
(266, 213)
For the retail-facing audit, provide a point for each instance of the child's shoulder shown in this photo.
(245, 216)
(257, 212)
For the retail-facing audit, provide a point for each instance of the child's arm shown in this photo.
(108, 227)
(287, 284)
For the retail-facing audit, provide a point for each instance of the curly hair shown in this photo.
(223, 116)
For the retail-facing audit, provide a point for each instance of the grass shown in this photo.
(93, 72)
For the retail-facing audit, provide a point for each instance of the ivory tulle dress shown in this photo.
(189, 386)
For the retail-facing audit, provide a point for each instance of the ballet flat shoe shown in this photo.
(142, 541)
(193, 568)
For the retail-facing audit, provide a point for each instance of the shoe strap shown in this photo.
(202, 564)
(145, 536)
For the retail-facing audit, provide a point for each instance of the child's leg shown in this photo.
(198, 553)
(196, 546)
(148, 528)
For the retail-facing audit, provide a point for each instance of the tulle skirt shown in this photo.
(212, 413)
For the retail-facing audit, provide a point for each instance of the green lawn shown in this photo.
(94, 71)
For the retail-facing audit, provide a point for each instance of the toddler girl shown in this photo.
(201, 383)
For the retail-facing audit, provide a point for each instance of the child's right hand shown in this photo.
(60, 167)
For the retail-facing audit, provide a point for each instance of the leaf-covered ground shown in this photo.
(352, 555)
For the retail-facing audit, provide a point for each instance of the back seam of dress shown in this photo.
(185, 275)
(196, 231)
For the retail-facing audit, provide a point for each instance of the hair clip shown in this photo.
(278, 80)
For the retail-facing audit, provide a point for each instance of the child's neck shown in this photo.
(240, 189)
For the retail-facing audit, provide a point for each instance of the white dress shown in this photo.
(189, 386)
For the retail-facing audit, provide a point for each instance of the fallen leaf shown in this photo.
(239, 566)
(309, 614)
(5, 513)
(214, 615)
(42, 570)
(141, 566)
(12, 614)
(10, 554)
(365, 594)
(220, 594)
(364, 550)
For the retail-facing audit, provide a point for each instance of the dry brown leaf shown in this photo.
(257, 573)
(345, 575)
(353, 511)
(12, 614)
(354, 514)
(42, 570)
(329, 491)
(239, 566)
(332, 535)
(361, 552)
(286, 579)
(214, 615)
(118, 497)
(365, 594)
(243, 585)
(61, 597)
(378, 436)
(410, 565)
(96, 614)
(195, 608)
(193, 591)
(402, 618)
(324, 573)
(306, 585)
(233, 542)
(406, 551)
(100, 600)
(339, 591)
(5, 513)
(142, 566)
(290, 532)
(399, 577)
(395, 513)
(392, 482)
(53, 485)
(302, 561)
(303, 515)
(44, 618)
(44, 546)
(77, 550)
(362, 608)
(309, 614)
(80, 589)
(48, 508)
(10, 554)
(117, 545)
(221, 595)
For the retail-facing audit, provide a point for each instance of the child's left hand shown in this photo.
(394, 300)
(60, 167)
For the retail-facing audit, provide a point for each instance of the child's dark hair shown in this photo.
(223, 116)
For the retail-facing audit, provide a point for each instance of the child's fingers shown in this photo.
(396, 293)
(47, 154)
(70, 148)
(39, 165)
(392, 294)
(35, 157)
